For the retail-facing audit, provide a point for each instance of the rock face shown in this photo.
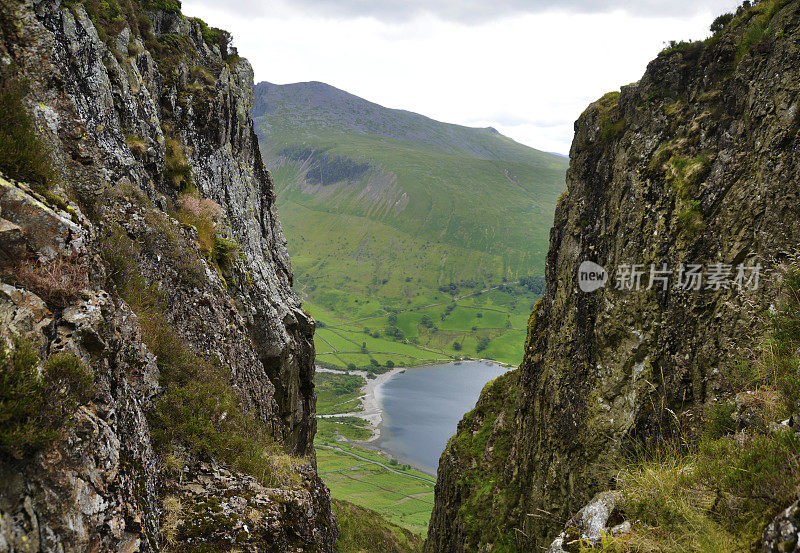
(136, 103)
(696, 163)
(783, 535)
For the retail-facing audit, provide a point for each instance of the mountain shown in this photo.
(156, 368)
(370, 195)
(675, 409)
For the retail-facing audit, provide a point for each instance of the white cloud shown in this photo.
(529, 75)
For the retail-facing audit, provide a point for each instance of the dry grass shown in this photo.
(203, 214)
(173, 510)
(57, 281)
(137, 145)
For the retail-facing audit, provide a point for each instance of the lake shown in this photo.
(422, 408)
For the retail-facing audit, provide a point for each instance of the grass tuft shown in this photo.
(177, 170)
(23, 155)
(35, 406)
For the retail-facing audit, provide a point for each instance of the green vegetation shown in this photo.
(431, 328)
(398, 493)
(717, 491)
(35, 407)
(177, 170)
(390, 213)
(214, 36)
(23, 155)
(204, 215)
(690, 218)
(364, 531)
(685, 175)
(352, 428)
(337, 393)
(612, 123)
(474, 432)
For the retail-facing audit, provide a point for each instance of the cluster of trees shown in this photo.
(391, 330)
(534, 284)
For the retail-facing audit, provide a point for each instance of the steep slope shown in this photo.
(157, 368)
(437, 197)
(695, 163)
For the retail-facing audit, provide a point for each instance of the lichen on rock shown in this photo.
(136, 105)
(695, 163)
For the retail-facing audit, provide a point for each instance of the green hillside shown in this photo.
(393, 208)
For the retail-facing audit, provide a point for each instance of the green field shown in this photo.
(439, 328)
(401, 495)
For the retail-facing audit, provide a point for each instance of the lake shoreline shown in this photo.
(373, 410)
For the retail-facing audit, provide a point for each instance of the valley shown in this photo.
(413, 241)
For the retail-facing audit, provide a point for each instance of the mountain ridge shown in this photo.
(322, 95)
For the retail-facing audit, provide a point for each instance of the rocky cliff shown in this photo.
(141, 252)
(696, 163)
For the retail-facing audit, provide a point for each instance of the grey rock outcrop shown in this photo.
(125, 110)
(600, 516)
(694, 164)
(783, 534)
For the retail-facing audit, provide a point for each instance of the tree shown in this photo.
(389, 364)
(363, 347)
(351, 366)
(721, 22)
(426, 321)
(483, 343)
(374, 363)
(457, 346)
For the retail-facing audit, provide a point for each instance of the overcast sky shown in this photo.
(522, 66)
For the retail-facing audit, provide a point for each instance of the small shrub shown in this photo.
(57, 281)
(612, 123)
(35, 408)
(137, 145)
(690, 219)
(203, 214)
(718, 419)
(685, 175)
(23, 155)
(173, 510)
(176, 169)
(721, 22)
(170, 6)
(224, 253)
(202, 75)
